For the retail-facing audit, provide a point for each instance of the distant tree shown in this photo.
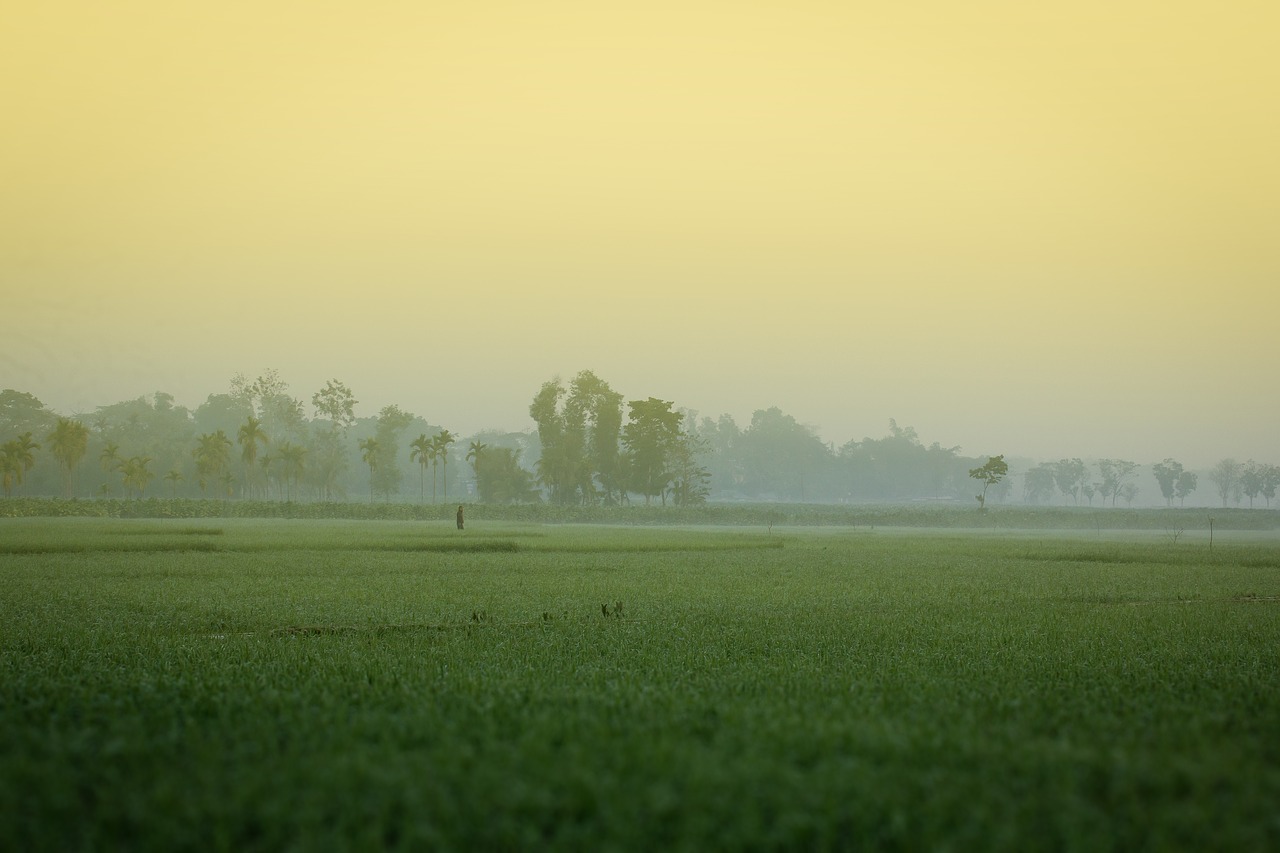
(1185, 485)
(442, 441)
(391, 422)
(1038, 483)
(212, 454)
(335, 402)
(784, 459)
(265, 461)
(650, 438)
(110, 461)
(1070, 476)
(422, 451)
(474, 452)
(579, 429)
(690, 479)
(173, 478)
(1088, 489)
(228, 484)
(293, 461)
(1226, 478)
(17, 456)
(250, 436)
(1129, 491)
(1167, 474)
(1114, 473)
(13, 467)
(369, 450)
(137, 473)
(1253, 481)
(989, 474)
(501, 480)
(68, 443)
(1270, 481)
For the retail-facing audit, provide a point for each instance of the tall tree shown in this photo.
(989, 474)
(649, 438)
(173, 478)
(1253, 479)
(1167, 474)
(1038, 483)
(137, 473)
(68, 443)
(369, 450)
(442, 440)
(422, 451)
(690, 479)
(110, 461)
(292, 460)
(501, 480)
(1226, 478)
(212, 455)
(391, 422)
(1270, 482)
(578, 430)
(1114, 473)
(17, 457)
(335, 402)
(1070, 475)
(474, 451)
(1185, 485)
(250, 436)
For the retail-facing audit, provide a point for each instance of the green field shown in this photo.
(269, 684)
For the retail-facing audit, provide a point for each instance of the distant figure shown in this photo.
(459, 516)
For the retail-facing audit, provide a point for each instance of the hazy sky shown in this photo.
(1047, 229)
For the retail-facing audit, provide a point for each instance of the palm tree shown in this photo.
(212, 456)
(292, 455)
(420, 452)
(265, 462)
(137, 473)
(228, 484)
(369, 453)
(473, 456)
(17, 459)
(68, 442)
(174, 477)
(443, 440)
(109, 459)
(10, 467)
(250, 436)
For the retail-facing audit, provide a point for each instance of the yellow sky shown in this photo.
(1042, 228)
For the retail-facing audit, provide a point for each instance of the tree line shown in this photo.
(588, 446)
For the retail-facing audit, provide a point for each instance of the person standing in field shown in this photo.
(459, 516)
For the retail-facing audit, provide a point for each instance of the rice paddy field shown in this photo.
(242, 684)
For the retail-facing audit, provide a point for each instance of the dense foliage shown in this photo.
(590, 446)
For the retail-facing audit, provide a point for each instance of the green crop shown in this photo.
(265, 684)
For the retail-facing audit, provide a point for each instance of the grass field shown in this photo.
(252, 684)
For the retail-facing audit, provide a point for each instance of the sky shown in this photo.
(1039, 229)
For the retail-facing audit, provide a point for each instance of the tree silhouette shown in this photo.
(990, 473)
(211, 455)
(173, 478)
(369, 453)
(17, 457)
(473, 456)
(250, 436)
(420, 451)
(442, 441)
(110, 461)
(68, 443)
(292, 456)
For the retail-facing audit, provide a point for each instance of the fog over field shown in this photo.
(1042, 230)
